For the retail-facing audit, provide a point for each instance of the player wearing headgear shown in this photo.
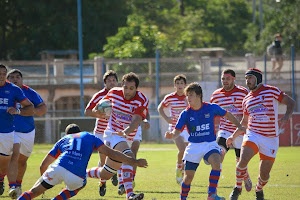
(199, 120)
(260, 116)
(72, 154)
(230, 98)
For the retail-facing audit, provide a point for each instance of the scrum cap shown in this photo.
(255, 72)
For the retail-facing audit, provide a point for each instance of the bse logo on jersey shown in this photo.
(4, 101)
(202, 127)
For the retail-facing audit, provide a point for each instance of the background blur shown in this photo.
(155, 39)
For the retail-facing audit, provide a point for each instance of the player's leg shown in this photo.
(273, 59)
(179, 141)
(4, 162)
(39, 188)
(214, 159)
(102, 182)
(280, 65)
(134, 148)
(12, 169)
(189, 172)
(222, 143)
(265, 167)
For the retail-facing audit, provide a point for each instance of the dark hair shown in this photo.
(72, 128)
(255, 72)
(131, 77)
(109, 73)
(3, 66)
(277, 35)
(13, 71)
(229, 71)
(180, 77)
(194, 87)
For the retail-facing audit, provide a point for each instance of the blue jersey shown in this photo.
(200, 123)
(25, 124)
(10, 94)
(74, 152)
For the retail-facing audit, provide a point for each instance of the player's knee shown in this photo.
(107, 172)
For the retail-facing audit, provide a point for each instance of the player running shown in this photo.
(199, 119)
(230, 98)
(260, 115)
(176, 102)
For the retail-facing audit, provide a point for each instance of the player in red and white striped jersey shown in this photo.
(230, 98)
(176, 102)
(260, 109)
(129, 108)
(110, 80)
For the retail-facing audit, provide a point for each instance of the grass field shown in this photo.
(158, 180)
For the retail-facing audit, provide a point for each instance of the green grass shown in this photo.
(158, 180)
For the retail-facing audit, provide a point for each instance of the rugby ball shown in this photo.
(104, 106)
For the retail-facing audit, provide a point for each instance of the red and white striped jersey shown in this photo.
(101, 123)
(123, 110)
(230, 101)
(176, 105)
(261, 107)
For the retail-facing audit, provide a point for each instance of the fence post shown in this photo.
(220, 71)
(265, 68)
(98, 73)
(293, 72)
(58, 70)
(205, 68)
(157, 90)
(250, 60)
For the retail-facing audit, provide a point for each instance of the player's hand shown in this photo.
(283, 120)
(100, 114)
(12, 111)
(229, 141)
(168, 135)
(146, 125)
(142, 163)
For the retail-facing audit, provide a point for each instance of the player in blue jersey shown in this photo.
(10, 94)
(199, 120)
(72, 154)
(24, 130)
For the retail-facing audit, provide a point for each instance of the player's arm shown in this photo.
(136, 120)
(41, 109)
(172, 135)
(146, 121)
(290, 105)
(46, 162)
(240, 129)
(26, 110)
(116, 155)
(94, 113)
(161, 111)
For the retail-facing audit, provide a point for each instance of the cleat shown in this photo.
(102, 189)
(19, 191)
(114, 180)
(136, 196)
(179, 175)
(260, 195)
(214, 196)
(12, 192)
(248, 183)
(121, 190)
(235, 194)
(2, 187)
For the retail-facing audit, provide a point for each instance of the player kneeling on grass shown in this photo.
(198, 117)
(76, 148)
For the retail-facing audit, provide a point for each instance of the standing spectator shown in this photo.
(230, 98)
(275, 51)
(129, 108)
(24, 128)
(72, 154)
(260, 116)
(9, 95)
(110, 80)
(176, 102)
(199, 120)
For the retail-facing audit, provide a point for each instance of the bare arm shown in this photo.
(172, 135)
(135, 122)
(45, 163)
(146, 121)
(94, 113)
(41, 109)
(240, 129)
(116, 155)
(26, 110)
(290, 105)
(161, 111)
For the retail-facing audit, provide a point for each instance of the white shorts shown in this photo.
(138, 135)
(100, 136)
(112, 140)
(6, 143)
(26, 141)
(237, 143)
(267, 146)
(56, 174)
(185, 135)
(194, 152)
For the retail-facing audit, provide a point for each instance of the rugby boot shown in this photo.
(121, 190)
(136, 196)
(19, 190)
(235, 194)
(102, 189)
(248, 183)
(179, 175)
(260, 195)
(114, 179)
(215, 197)
(12, 192)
